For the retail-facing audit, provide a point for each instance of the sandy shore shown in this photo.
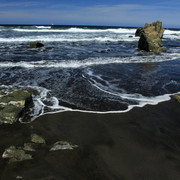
(143, 144)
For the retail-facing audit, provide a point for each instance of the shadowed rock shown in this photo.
(138, 32)
(36, 44)
(13, 105)
(151, 37)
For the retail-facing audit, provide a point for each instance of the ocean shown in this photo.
(87, 68)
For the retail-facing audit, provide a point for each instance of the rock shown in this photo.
(36, 44)
(29, 147)
(174, 34)
(13, 104)
(177, 97)
(151, 37)
(1, 93)
(62, 145)
(15, 155)
(130, 36)
(37, 139)
(19, 177)
(138, 32)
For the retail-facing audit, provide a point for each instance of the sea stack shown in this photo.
(151, 37)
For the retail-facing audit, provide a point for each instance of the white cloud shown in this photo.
(19, 4)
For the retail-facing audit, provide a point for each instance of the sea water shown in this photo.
(87, 68)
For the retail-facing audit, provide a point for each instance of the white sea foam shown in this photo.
(56, 108)
(80, 37)
(79, 30)
(43, 27)
(66, 39)
(40, 107)
(171, 32)
(151, 101)
(90, 61)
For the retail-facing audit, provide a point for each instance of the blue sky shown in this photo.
(90, 12)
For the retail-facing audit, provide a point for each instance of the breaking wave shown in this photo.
(90, 61)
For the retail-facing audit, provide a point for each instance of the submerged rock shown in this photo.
(37, 139)
(13, 105)
(36, 44)
(177, 97)
(62, 145)
(151, 37)
(15, 155)
(174, 34)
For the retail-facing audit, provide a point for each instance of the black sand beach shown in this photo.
(143, 144)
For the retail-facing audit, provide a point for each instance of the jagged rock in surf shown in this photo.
(151, 37)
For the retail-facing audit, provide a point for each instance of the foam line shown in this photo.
(39, 106)
(78, 30)
(89, 62)
(65, 39)
(43, 27)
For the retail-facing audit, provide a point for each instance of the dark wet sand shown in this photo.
(143, 144)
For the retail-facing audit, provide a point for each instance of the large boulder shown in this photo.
(13, 105)
(151, 37)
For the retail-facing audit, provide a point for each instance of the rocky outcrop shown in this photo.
(36, 44)
(37, 139)
(13, 105)
(151, 37)
(29, 147)
(62, 145)
(14, 154)
(38, 143)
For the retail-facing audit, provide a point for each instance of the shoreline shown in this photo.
(141, 144)
(168, 97)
